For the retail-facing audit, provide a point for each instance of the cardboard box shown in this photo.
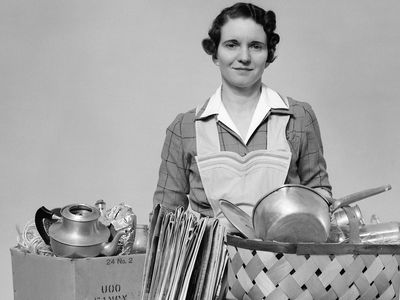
(38, 277)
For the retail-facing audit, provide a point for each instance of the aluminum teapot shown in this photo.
(76, 232)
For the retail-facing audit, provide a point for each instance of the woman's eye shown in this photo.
(230, 45)
(256, 46)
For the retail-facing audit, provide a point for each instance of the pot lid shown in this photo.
(238, 218)
(80, 212)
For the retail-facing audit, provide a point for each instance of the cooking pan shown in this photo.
(296, 213)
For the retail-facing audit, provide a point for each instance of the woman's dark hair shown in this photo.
(266, 19)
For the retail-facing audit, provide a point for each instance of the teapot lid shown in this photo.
(80, 212)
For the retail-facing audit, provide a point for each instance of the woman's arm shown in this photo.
(312, 167)
(173, 183)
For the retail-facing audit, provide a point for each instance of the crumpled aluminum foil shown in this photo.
(121, 217)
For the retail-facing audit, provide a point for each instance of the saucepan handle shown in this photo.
(41, 214)
(346, 200)
(354, 225)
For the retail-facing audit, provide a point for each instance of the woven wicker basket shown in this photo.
(268, 270)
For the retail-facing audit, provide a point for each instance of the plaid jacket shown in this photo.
(179, 179)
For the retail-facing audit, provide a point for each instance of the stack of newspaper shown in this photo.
(186, 257)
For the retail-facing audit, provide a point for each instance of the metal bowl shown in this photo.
(292, 213)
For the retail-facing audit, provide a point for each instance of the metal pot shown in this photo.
(77, 232)
(296, 213)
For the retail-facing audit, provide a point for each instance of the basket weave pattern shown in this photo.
(268, 275)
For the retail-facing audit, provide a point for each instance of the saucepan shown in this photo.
(296, 213)
(292, 213)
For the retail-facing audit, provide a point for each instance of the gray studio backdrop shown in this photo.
(88, 88)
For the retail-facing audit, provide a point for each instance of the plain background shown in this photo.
(88, 88)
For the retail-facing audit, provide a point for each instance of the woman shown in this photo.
(246, 139)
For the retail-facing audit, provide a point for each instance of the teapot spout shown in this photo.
(110, 248)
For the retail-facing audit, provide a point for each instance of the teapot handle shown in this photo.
(41, 214)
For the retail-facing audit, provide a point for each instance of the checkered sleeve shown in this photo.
(173, 183)
(312, 167)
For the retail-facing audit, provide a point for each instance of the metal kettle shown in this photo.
(76, 232)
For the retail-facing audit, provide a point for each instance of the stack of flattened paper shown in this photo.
(186, 257)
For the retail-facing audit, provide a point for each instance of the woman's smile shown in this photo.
(242, 69)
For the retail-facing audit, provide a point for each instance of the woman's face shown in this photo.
(242, 53)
